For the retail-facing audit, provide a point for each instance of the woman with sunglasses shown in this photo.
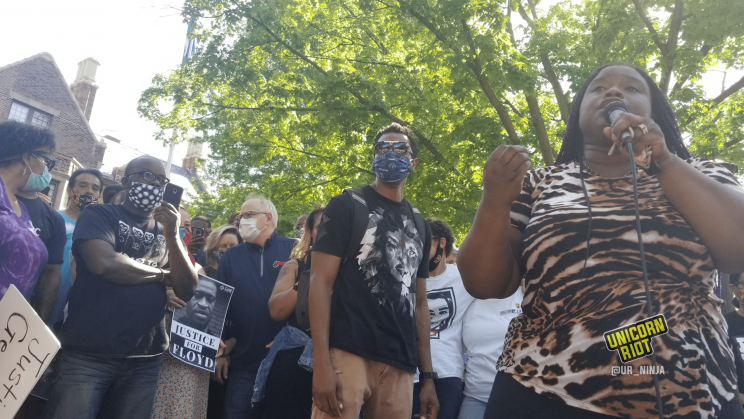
(23, 167)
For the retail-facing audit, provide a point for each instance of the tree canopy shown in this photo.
(290, 93)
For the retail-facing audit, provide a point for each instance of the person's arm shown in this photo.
(183, 277)
(428, 394)
(488, 258)
(326, 390)
(223, 362)
(715, 211)
(284, 298)
(45, 295)
(103, 260)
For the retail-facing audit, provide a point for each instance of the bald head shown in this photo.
(145, 163)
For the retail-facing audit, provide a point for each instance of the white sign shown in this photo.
(197, 327)
(27, 346)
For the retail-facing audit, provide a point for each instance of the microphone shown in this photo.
(611, 112)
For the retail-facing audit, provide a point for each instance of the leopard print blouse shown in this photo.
(556, 347)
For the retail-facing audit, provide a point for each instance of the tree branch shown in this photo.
(360, 98)
(704, 50)
(668, 60)
(650, 26)
(563, 105)
(730, 91)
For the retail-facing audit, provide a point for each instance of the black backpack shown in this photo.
(360, 219)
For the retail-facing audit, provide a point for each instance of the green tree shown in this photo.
(289, 93)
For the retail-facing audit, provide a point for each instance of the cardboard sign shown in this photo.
(27, 346)
(196, 328)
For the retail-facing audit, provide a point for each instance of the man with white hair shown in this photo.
(251, 268)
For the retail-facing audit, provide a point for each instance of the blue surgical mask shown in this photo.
(37, 183)
(391, 167)
(218, 254)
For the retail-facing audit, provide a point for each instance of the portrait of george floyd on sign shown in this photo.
(197, 327)
(27, 347)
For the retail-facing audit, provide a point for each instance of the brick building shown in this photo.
(34, 91)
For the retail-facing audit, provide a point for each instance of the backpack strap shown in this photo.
(418, 219)
(359, 221)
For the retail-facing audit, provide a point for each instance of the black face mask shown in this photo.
(82, 201)
(434, 262)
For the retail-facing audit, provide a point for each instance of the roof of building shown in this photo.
(39, 79)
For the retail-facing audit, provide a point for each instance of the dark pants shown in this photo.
(449, 392)
(289, 389)
(88, 386)
(238, 394)
(506, 390)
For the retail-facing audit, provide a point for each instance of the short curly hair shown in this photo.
(399, 129)
(440, 229)
(17, 138)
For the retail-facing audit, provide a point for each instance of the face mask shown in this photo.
(434, 262)
(144, 197)
(218, 254)
(37, 183)
(183, 231)
(82, 201)
(248, 229)
(391, 167)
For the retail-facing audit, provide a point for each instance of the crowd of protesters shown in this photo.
(370, 310)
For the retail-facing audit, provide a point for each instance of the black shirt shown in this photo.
(735, 323)
(50, 227)
(109, 319)
(374, 296)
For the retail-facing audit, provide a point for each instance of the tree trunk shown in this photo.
(542, 133)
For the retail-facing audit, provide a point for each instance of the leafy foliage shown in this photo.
(290, 93)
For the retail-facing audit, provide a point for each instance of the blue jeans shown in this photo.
(89, 386)
(449, 392)
(472, 408)
(238, 394)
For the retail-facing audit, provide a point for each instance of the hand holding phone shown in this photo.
(173, 194)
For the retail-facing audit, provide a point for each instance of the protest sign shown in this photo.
(27, 346)
(197, 327)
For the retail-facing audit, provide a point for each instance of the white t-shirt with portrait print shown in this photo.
(484, 330)
(448, 301)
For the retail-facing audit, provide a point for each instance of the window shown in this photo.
(29, 115)
(18, 112)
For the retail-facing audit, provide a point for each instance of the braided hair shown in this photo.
(572, 149)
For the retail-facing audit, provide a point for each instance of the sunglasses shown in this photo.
(398, 147)
(48, 161)
(149, 176)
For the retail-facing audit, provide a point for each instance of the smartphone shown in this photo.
(172, 195)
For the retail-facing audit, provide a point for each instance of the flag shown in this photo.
(190, 48)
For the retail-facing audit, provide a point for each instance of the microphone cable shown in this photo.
(629, 144)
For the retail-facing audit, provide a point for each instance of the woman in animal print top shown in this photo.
(582, 267)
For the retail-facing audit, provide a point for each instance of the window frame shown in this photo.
(30, 113)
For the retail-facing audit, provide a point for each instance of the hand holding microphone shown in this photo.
(638, 133)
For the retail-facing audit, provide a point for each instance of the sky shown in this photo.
(133, 40)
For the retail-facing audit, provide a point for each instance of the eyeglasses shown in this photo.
(248, 214)
(399, 147)
(48, 161)
(150, 177)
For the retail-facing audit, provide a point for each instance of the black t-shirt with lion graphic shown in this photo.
(109, 319)
(373, 303)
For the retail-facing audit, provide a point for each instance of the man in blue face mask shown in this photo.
(368, 333)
